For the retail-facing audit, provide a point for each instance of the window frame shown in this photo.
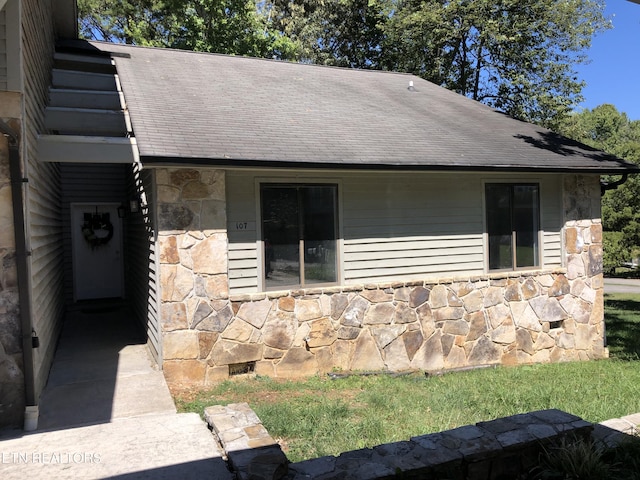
(338, 228)
(539, 235)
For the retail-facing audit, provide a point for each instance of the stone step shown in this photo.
(249, 448)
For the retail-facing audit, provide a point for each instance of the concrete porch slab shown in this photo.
(158, 447)
(102, 370)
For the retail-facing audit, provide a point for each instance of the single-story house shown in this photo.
(290, 219)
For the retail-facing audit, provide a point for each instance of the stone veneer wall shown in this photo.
(11, 361)
(502, 318)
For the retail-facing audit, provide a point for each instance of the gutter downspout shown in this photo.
(26, 323)
(604, 186)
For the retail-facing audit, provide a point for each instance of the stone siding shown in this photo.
(502, 318)
(11, 361)
(12, 391)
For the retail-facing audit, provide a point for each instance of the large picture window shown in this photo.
(513, 214)
(299, 232)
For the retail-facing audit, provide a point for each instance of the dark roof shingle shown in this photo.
(225, 110)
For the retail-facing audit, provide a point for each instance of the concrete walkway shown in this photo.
(621, 285)
(102, 370)
(106, 412)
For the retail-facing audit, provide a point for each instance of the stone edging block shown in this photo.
(251, 451)
(501, 448)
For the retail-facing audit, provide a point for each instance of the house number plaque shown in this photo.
(244, 226)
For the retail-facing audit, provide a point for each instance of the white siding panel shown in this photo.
(238, 252)
(394, 226)
(411, 226)
(43, 188)
(243, 256)
(551, 212)
(413, 273)
(552, 249)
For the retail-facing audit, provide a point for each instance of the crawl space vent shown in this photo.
(241, 368)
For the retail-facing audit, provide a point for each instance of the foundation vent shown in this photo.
(241, 368)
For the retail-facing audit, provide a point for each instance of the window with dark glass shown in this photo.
(299, 232)
(513, 212)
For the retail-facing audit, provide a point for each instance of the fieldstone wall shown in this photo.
(504, 448)
(503, 318)
(192, 246)
(11, 361)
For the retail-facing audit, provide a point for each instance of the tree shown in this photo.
(515, 55)
(607, 129)
(139, 22)
(346, 33)
(223, 26)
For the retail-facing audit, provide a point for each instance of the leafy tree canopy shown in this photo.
(518, 56)
(605, 128)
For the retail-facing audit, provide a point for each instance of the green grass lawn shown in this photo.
(323, 416)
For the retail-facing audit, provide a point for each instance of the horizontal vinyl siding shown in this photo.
(43, 189)
(243, 256)
(552, 249)
(395, 227)
(141, 266)
(551, 221)
(405, 227)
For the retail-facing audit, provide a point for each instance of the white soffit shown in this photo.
(87, 149)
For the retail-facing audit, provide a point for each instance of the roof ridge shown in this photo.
(99, 43)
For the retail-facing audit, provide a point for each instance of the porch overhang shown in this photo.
(87, 149)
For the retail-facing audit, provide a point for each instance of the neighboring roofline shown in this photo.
(157, 161)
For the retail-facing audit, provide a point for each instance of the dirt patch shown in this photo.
(267, 395)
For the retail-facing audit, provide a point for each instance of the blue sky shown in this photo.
(613, 76)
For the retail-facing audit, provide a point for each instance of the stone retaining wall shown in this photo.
(503, 318)
(499, 449)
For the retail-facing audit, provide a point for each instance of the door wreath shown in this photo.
(97, 229)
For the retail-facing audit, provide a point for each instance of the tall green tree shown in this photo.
(236, 27)
(516, 55)
(605, 128)
(128, 21)
(346, 33)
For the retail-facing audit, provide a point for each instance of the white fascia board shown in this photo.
(87, 149)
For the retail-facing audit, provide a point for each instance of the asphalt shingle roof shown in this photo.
(189, 107)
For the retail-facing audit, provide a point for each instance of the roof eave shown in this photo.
(162, 161)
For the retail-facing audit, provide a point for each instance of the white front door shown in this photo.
(96, 239)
